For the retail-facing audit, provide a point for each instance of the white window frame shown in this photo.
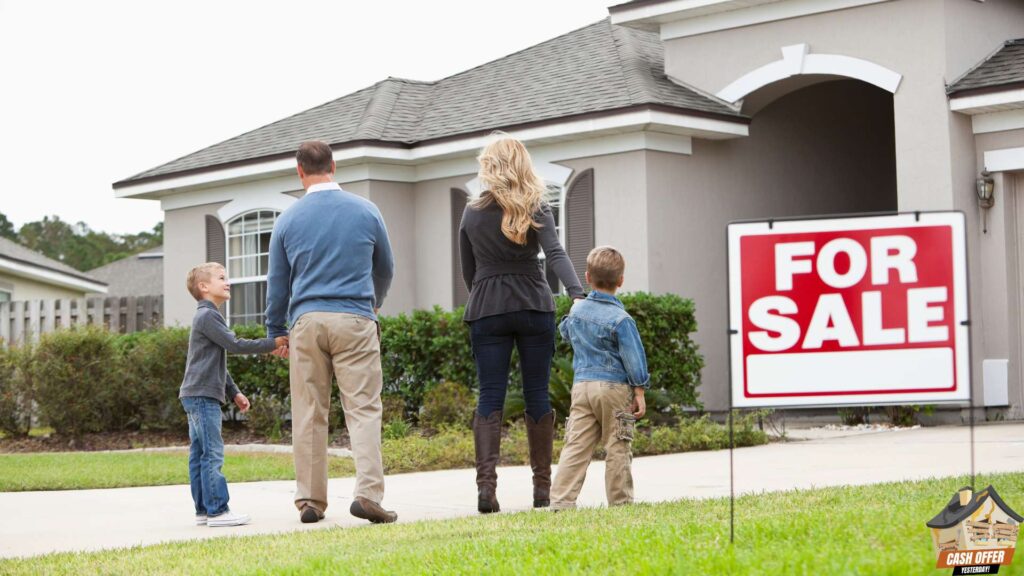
(8, 292)
(228, 256)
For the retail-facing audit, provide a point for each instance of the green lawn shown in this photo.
(859, 530)
(65, 471)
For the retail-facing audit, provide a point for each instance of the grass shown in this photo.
(79, 470)
(449, 449)
(876, 529)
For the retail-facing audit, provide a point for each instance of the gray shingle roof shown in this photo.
(597, 68)
(138, 275)
(1004, 68)
(14, 251)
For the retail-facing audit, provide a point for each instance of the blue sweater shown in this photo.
(329, 252)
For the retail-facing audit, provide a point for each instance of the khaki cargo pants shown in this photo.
(322, 344)
(601, 412)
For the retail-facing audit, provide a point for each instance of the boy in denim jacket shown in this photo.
(610, 376)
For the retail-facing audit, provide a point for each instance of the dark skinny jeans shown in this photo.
(533, 334)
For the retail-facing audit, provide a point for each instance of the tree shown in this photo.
(81, 247)
(7, 228)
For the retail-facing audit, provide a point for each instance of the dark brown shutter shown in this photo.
(215, 241)
(460, 295)
(579, 222)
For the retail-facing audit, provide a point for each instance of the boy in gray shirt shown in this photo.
(206, 386)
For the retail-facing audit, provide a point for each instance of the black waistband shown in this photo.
(525, 267)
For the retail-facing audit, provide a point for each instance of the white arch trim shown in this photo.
(796, 60)
(256, 201)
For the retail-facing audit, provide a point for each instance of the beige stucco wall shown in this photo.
(27, 289)
(433, 229)
(185, 234)
(919, 39)
(816, 151)
(398, 207)
(621, 210)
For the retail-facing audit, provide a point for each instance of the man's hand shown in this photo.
(639, 407)
(242, 402)
(282, 347)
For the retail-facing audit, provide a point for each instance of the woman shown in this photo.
(510, 303)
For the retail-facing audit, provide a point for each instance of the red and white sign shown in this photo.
(865, 310)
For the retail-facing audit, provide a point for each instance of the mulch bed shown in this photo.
(234, 433)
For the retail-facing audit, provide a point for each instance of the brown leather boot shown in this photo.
(487, 439)
(541, 435)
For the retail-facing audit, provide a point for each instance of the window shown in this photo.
(554, 197)
(248, 257)
(5, 295)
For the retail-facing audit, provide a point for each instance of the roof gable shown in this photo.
(13, 251)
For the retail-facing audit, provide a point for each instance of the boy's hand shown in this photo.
(282, 347)
(639, 404)
(242, 402)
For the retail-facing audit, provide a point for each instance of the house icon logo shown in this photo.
(975, 533)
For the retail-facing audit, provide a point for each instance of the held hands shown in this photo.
(639, 407)
(282, 347)
(242, 402)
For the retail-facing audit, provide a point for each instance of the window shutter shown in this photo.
(215, 241)
(579, 222)
(460, 295)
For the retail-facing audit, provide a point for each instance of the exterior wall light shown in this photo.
(986, 187)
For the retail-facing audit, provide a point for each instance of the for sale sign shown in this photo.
(865, 310)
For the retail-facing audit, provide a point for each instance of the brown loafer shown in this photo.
(367, 510)
(310, 515)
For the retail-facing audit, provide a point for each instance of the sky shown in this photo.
(95, 92)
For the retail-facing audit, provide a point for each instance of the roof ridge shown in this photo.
(378, 109)
(532, 46)
(623, 42)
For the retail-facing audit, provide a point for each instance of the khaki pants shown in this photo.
(600, 413)
(347, 346)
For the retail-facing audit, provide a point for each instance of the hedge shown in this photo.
(89, 380)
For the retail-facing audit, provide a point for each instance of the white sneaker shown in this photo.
(228, 518)
(201, 519)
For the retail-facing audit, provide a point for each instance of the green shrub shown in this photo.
(154, 365)
(267, 414)
(422, 349)
(854, 415)
(262, 374)
(396, 429)
(907, 415)
(394, 407)
(80, 386)
(447, 404)
(16, 390)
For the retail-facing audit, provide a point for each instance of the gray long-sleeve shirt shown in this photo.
(503, 276)
(206, 370)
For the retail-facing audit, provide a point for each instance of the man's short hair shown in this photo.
(201, 273)
(315, 157)
(605, 265)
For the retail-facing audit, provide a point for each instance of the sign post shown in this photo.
(859, 310)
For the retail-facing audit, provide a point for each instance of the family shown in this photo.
(330, 269)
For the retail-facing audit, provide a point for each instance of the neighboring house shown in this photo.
(653, 129)
(975, 522)
(28, 275)
(139, 275)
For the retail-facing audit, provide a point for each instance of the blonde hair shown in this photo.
(605, 266)
(201, 273)
(506, 171)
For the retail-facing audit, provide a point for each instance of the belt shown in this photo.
(524, 267)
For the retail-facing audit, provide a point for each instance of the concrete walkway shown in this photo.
(33, 523)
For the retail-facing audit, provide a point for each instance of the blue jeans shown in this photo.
(533, 334)
(206, 455)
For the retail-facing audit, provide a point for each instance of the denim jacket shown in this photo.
(606, 344)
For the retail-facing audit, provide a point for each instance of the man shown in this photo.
(330, 269)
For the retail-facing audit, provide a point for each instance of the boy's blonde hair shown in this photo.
(201, 273)
(605, 266)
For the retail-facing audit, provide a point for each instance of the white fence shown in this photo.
(28, 319)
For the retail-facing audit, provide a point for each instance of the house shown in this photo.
(141, 274)
(653, 129)
(28, 275)
(975, 522)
